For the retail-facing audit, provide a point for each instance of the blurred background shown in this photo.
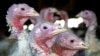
(71, 6)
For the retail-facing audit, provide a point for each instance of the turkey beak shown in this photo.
(58, 31)
(82, 46)
(35, 13)
(32, 12)
(57, 12)
(77, 15)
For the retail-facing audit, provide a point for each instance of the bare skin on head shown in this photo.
(18, 14)
(43, 32)
(68, 44)
(88, 16)
(48, 14)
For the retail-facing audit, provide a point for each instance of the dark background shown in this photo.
(72, 6)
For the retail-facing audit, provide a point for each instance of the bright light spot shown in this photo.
(74, 22)
(80, 20)
(25, 27)
(30, 27)
(60, 23)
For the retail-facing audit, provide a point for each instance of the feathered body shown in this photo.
(23, 48)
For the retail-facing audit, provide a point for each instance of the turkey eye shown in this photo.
(44, 27)
(22, 9)
(49, 9)
(71, 41)
(86, 12)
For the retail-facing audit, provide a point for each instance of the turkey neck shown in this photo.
(90, 39)
(22, 38)
(23, 44)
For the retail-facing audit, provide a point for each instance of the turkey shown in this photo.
(91, 40)
(16, 16)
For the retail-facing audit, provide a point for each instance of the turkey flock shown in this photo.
(48, 38)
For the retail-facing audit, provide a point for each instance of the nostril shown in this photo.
(83, 45)
(86, 12)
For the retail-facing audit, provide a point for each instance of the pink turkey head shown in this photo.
(64, 15)
(47, 30)
(18, 14)
(48, 14)
(71, 42)
(44, 31)
(88, 16)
